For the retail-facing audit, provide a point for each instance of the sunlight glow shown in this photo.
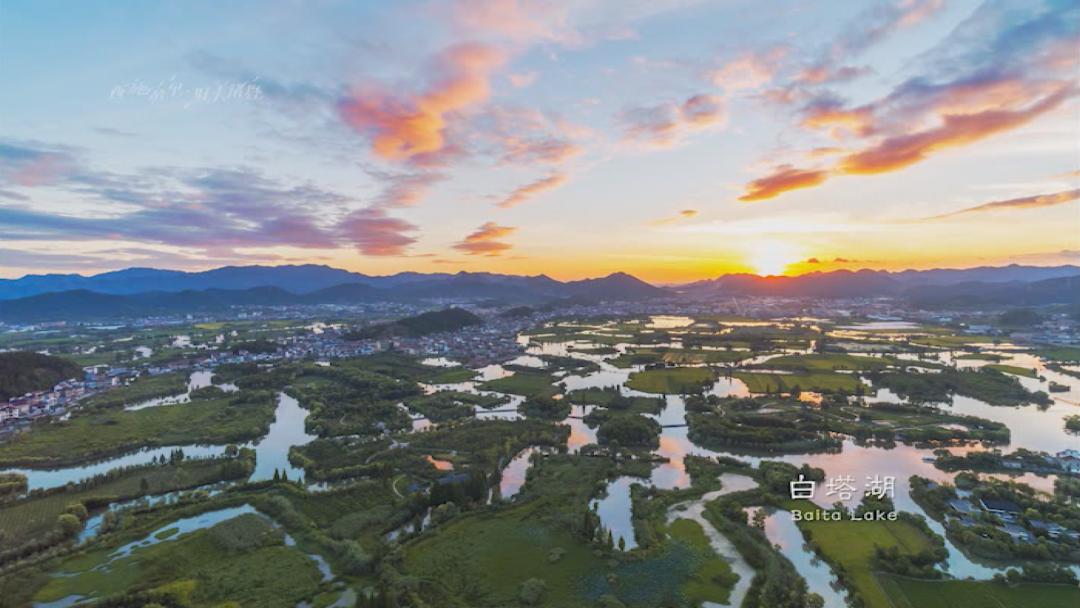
(772, 257)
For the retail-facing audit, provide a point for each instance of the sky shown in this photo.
(672, 139)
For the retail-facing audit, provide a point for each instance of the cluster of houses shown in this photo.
(966, 510)
(54, 401)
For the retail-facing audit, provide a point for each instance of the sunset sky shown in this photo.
(672, 139)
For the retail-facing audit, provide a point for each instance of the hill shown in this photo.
(1051, 291)
(450, 319)
(24, 372)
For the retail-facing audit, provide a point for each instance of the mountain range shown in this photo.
(147, 291)
(113, 297)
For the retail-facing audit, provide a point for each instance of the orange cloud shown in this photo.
(965, 113)
(785, 178)
(957, 130)
(524, 193)
(413, 128)
(485, 240)
(1026, 202)
(859, 121)
(681, 215)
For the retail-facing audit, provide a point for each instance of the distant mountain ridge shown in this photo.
(85, 304)
(309, 278)
(147, 291)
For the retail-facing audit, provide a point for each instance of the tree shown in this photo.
(144, 485)
(77, 509)
(69, 524)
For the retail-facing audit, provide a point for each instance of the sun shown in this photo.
(772, 257)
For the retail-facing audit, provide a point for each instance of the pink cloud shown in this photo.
(405, 189)
(1025, 202)
(532, 189)
(663, 125)
(376, 233)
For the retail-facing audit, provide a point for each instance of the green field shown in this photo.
(913, 593)
(528, 384)
(851, 545)
(784, 383)
(979, 357)
(1015, 370)
(1065, 354)
(106, 433)
(451, 375)
(241, 560)
(948, 341)
(482, 561)
(678, 356)
(675, 380)
(713, 580)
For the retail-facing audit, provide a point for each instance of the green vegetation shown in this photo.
(451, 375)
(979, 357)
(1015, 370)
(838, 361)
(985, 384)
(784, 424)
(26, 372)
(101, 434)
(674, 380)
(526, 383)
(450, 319)
(1061, 354)
(351, 396)
(853, 549)
(952, 341)
(1072, 423)
(30, 524)
(488, 559)
(714, 579)
(629, 430)
(766, 383)
(613, 399)
(913, 593)
(678, 356)
(1019, 318)
(241, 560)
